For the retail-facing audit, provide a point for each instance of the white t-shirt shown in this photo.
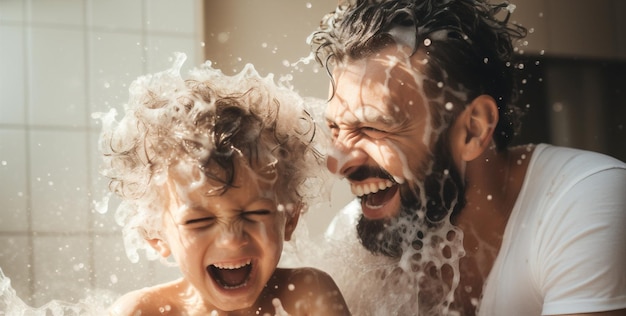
(564, 246)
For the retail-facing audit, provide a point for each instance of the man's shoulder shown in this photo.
(574, 157)
(567, 164)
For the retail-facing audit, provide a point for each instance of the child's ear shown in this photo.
(292, 216)
(475, 127)
(160, 246)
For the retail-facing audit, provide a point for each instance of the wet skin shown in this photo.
(211, 234)
(378, 119)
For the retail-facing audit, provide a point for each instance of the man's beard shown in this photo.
(443, 197)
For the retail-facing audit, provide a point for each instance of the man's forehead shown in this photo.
(378, 89)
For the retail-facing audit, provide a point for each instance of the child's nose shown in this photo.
(232, 236)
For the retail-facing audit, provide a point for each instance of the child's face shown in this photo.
(227, 246)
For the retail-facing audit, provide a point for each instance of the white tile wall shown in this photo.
(62, 266)
(59, 184)
(11, 10)
(59, 12)
(171, 16)
(13, 185)
(112, 70)
(57, 76)
(128, 14)
(61, 60)
(12, 96)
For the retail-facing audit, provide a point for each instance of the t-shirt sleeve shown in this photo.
(583, 249)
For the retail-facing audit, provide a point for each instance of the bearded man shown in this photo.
(421, 114)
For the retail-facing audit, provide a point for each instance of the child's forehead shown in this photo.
(190, 181)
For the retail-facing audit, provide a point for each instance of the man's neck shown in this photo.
(493, 183)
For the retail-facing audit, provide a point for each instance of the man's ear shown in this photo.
(160, 246)
(291, 220)
(477, 123)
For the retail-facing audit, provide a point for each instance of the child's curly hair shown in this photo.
(207, 120)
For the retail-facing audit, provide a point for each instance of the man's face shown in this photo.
(385, 144)
(379, 121)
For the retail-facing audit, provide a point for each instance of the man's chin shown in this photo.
(378, 237)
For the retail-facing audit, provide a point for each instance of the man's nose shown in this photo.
(345, 156)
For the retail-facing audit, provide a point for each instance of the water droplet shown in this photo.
(79, 266)
(449, 106)
(489, 197)
(291, 287)
(427, 42)
(223, 37)
(309, 5)
(4, 162)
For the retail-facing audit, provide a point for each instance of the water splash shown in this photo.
(10, 304)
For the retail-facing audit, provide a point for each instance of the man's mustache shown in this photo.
(364, 172)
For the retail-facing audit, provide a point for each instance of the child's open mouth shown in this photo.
(231, 276)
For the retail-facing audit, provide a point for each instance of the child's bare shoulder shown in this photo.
(156, 300)
(311, 292)
(307, 276)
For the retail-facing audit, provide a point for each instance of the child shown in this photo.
(214, 171)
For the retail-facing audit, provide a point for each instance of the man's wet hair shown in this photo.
(467, 46)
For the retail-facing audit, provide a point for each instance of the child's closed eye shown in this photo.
(256, 215)
(200, 222)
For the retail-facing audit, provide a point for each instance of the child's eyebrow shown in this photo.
(183, 212)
